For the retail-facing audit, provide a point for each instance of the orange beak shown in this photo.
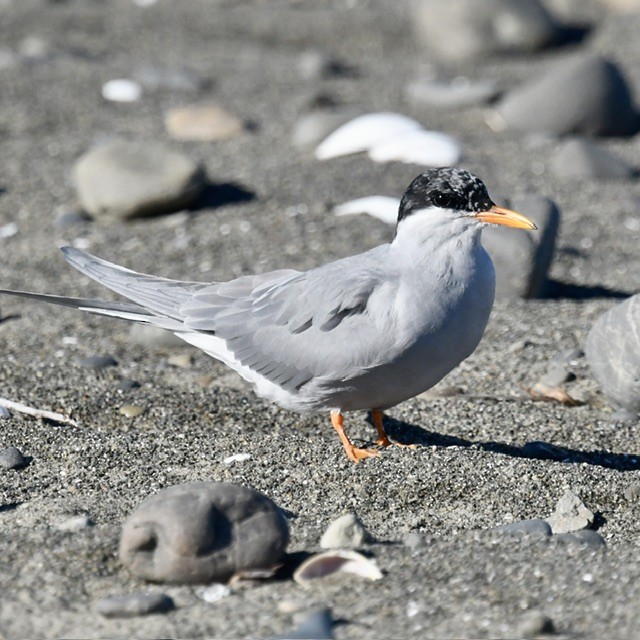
(505, 217)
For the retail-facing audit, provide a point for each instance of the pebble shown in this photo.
(182, 360)
(613, 352)
(317, 625)
(556, 375)
(571, 514)
(413, 540)
(69, 219)
(121, 179)
(77, 523)
(632, 492)
(5, 414)
(203, 532)
(585, 537)
(458, 30)
(316, 65)
(132, 410)
(121, 90)
(583, 159)
(312, 128)
(536, 527)
(98, 362)
(12, 458)
(585, 94)
(154, 337)
(522, 258)
(347, 532)
(202, 123)
(534, 624)
(625, 416)
(156, 77)
(127, 385)
(213, 592)
(134, 604)
(457, 93)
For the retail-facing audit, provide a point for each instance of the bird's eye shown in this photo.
(442, 200)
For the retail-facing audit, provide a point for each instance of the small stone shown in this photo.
(77, 523)
(556, 375)
(347, 532)
(131, 410)
(571, 515)
(314, 65)
(203, 532)
(456, 30)
(414, 540)
(536, 527)
(98, 362)
(134, 604)
(632, 492)
(585, 537)
(585, 95)
(5, 414)
(458, 93)
(121, 90)
(522, 258)
(156, 77)
(313, 626)
(313, 128)
(154, 337)
(12, 458)
(213, 593)
(183, 360)
(613, 353)
(123, 179)
(70, 218)
(584, 159)
(626, 417)
(534, 624)
(202, 123)
(127, 385)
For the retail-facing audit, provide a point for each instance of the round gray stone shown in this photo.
(460, 92)
(203, 532)
(613, 353)
(98, 362)
(522, 258)
(12, 458)
(465, 29)
(536, 527)
(585, 537)
(586, 94)
(534, 624)
(129, 179)
(581, 158)
(134, 604)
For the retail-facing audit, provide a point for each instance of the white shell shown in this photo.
(237, 457)
(121, 90)
(364, 132)
(428, 148)
(338, 560)
(383, 208)
(213, 592)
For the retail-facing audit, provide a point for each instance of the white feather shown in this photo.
(383, 208)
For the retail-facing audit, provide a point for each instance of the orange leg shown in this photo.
(354, 453)
(376, 418)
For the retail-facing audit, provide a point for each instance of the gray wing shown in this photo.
(318, 324)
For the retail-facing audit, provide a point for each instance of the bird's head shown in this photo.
(457, 194)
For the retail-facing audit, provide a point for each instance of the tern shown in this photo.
(364, 332)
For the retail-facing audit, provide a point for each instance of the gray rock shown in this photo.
(98, 362)
(536, 527)
(77, 523)
(315, 626)
(632, 492)
(128, 179)
(313, 128)
(625, 416)
(203, 532)
(571, 515)
(579, 158)
(134, 604)
(459, 30)
(347, 532)
(586, 95)
(534, 624)
(127, 385)
(613, 353)
(156, 77)
(70, 218)
(5, 414)
(585, 537)
(315, 65)
(522, 258)
(460, 92)
(12, 458)
(154, 337)
(556, 375)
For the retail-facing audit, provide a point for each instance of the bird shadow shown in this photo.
(410, 434)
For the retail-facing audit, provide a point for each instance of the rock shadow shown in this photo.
(555, 289)
(216, 195)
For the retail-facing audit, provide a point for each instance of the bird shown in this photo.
(364, 332)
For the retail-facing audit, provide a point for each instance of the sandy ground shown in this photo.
(469, 472)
